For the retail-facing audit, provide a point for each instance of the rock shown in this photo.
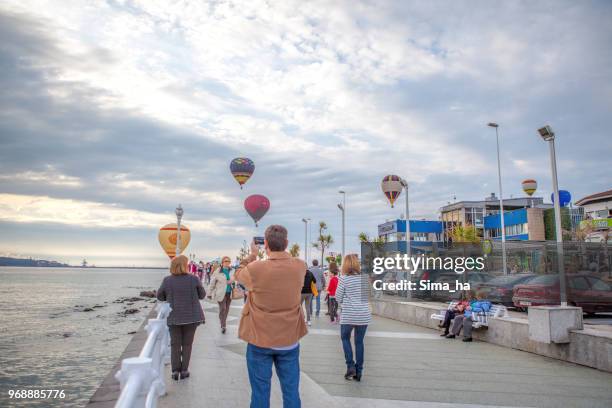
(130, 311)
(148, 293)
(67, 334)
(97, 306)
(88, 309)
(132, 332)
(129, 303)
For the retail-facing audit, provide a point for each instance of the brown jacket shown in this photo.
(272, 316)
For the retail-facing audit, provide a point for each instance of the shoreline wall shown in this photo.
(107, 393)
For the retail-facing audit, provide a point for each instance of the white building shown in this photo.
(597, 206)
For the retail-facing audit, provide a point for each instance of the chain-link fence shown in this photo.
(531, 278)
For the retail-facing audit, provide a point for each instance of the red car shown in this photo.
(586, 291)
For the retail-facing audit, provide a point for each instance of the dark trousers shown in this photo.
(333, 308)
(345, 335)
(259, 366)
(181, 339)
(224, 307)
(450, 314)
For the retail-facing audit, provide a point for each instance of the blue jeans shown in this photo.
(345, 334)
(318, 298)
(259, 365)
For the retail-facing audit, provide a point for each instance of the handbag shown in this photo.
(313, 288)
(237, 292)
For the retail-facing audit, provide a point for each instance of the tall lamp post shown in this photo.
(305, 221)
(501, 199)
(549, 136)
(342, 208)
(179, 214)
(408, 247)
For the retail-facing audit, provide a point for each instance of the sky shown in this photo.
(114, 112)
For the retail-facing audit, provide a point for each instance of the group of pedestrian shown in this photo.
(272, 321)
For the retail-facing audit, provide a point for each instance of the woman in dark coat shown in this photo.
(183, 291)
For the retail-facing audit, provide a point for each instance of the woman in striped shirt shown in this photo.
(352, 295)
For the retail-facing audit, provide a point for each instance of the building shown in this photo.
(422, 233)
(473, 213)
(597, 206)
(524, 224)
(597, 216)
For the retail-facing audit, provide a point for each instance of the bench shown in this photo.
(481, 319)
(442, 313)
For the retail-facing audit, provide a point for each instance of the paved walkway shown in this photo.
(406, 367)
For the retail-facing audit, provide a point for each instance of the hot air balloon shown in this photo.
(167, 239)
(392, 187)
(242, 169)
(564, 198)
(257, 206)
(529, 186)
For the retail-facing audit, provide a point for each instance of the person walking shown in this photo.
(307, 295)
(331, 292)
(272, 321)
(318, 273)
(220, 290)
(352, 295)
(183, 292)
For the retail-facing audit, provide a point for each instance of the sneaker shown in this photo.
(444, 334)
(175, 375)
(450, 336)
(357, 377)
(467, 339)
(184, 374)
(350, 373)
(223, 330)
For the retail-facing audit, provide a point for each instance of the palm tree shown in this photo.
(323, 240)
(295, 250)
(465, 233)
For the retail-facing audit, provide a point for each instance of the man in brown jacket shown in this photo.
(272, 321)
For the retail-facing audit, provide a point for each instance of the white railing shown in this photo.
(142, 378)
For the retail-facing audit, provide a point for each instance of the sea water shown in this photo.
(48, 342)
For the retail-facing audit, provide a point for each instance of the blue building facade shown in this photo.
(422, 233)
(516, 223)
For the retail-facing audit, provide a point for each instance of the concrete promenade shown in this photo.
(406, 367)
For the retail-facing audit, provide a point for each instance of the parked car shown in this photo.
(473, 278)
(587, 291)
(500, 289)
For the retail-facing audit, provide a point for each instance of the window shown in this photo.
(579, 283)
(598, 284)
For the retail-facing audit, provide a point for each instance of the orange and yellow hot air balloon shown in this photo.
(167, 239)
(529, 186)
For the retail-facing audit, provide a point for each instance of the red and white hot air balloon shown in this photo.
(529, 186)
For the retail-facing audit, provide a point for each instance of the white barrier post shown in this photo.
(135, 378)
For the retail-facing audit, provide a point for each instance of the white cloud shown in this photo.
(41, 209)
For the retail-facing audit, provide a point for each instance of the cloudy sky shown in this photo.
(113, 112)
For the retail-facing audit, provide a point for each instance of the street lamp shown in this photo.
(408, 249)
(549, 136)
(305, 221)
(408, 246)
(179, 214)
(342, 208)
(501, 201)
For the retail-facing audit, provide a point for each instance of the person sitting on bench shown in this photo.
(465, 321)
(450, 314)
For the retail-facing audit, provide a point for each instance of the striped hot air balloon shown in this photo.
(242, 169)
(529, 186)
(392, 187)
(167, 239)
